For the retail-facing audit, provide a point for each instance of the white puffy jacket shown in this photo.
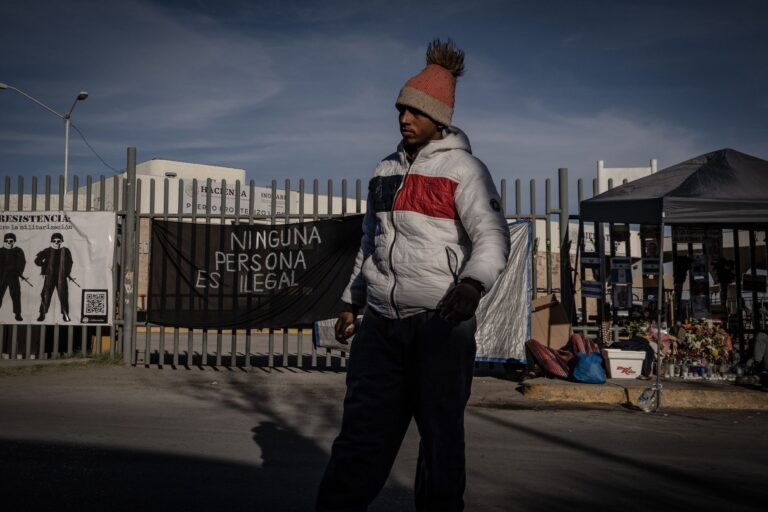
(427, 226)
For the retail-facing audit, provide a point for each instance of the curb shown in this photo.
(25, 366)
(678, 395)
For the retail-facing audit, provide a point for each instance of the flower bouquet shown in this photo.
(705, 340)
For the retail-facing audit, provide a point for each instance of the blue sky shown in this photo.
(295, 89)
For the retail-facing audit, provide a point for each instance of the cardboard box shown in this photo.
(623, 364)
(549, 322)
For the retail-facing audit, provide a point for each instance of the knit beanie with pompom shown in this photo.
(433, 90)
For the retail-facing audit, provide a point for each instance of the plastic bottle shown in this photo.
(646, 400)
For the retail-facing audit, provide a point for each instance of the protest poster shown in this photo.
(590, 260)
(649, 240)
(56, 268)
(650, 266)
(650, 290)
(699, 267)
(700, 301)
(622, 296)
(593, 289)
(621, 270)
(250, 275)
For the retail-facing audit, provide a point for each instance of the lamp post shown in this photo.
(66, 117)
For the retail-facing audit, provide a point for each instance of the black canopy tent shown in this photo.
(724, 188)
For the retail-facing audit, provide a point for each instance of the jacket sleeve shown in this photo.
(41, 258)
(67, 262)
(479, 208)
(356, 291)
(21, 262)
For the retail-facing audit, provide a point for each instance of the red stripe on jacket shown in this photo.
(428, 195)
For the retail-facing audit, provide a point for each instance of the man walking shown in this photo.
(12, 263)
(55, 264)
(434, 240)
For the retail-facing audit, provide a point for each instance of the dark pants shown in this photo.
(60, 285)
(12, 284)
(418, 367)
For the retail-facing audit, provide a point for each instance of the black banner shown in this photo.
(250, 275)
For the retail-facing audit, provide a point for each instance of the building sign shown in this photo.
(233, 200)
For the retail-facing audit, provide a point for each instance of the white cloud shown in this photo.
(534, 143)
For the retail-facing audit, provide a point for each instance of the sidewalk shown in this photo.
(500, 392)
(27, 366)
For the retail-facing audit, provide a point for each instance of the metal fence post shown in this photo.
(129, 281)
(548, 231)
(534, 269)
(566, 287)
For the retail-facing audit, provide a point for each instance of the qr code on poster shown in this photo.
(95, 306)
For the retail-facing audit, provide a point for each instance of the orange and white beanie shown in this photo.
(433, 90)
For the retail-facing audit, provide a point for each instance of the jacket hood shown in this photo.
(453, 138)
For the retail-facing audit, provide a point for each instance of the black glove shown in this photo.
(460, 302)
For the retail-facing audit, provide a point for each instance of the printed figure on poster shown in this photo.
(12, 263)
(68, 257)
(55, 264)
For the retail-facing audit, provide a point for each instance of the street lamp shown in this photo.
(66, 117)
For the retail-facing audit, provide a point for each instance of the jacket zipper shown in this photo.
(394, 236)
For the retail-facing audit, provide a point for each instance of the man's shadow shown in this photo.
(292, 465)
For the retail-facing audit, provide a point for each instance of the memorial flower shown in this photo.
(706, 339)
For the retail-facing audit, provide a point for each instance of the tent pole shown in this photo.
(659, 309)
(600, 241)
(739, 299)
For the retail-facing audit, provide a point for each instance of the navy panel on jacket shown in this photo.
(382, 190)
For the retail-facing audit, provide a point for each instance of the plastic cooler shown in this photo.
(623, 364)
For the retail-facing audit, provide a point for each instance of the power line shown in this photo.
(91, 148)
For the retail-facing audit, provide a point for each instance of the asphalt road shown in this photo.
(106, 437)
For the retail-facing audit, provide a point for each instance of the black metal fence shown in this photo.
(137, 200)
